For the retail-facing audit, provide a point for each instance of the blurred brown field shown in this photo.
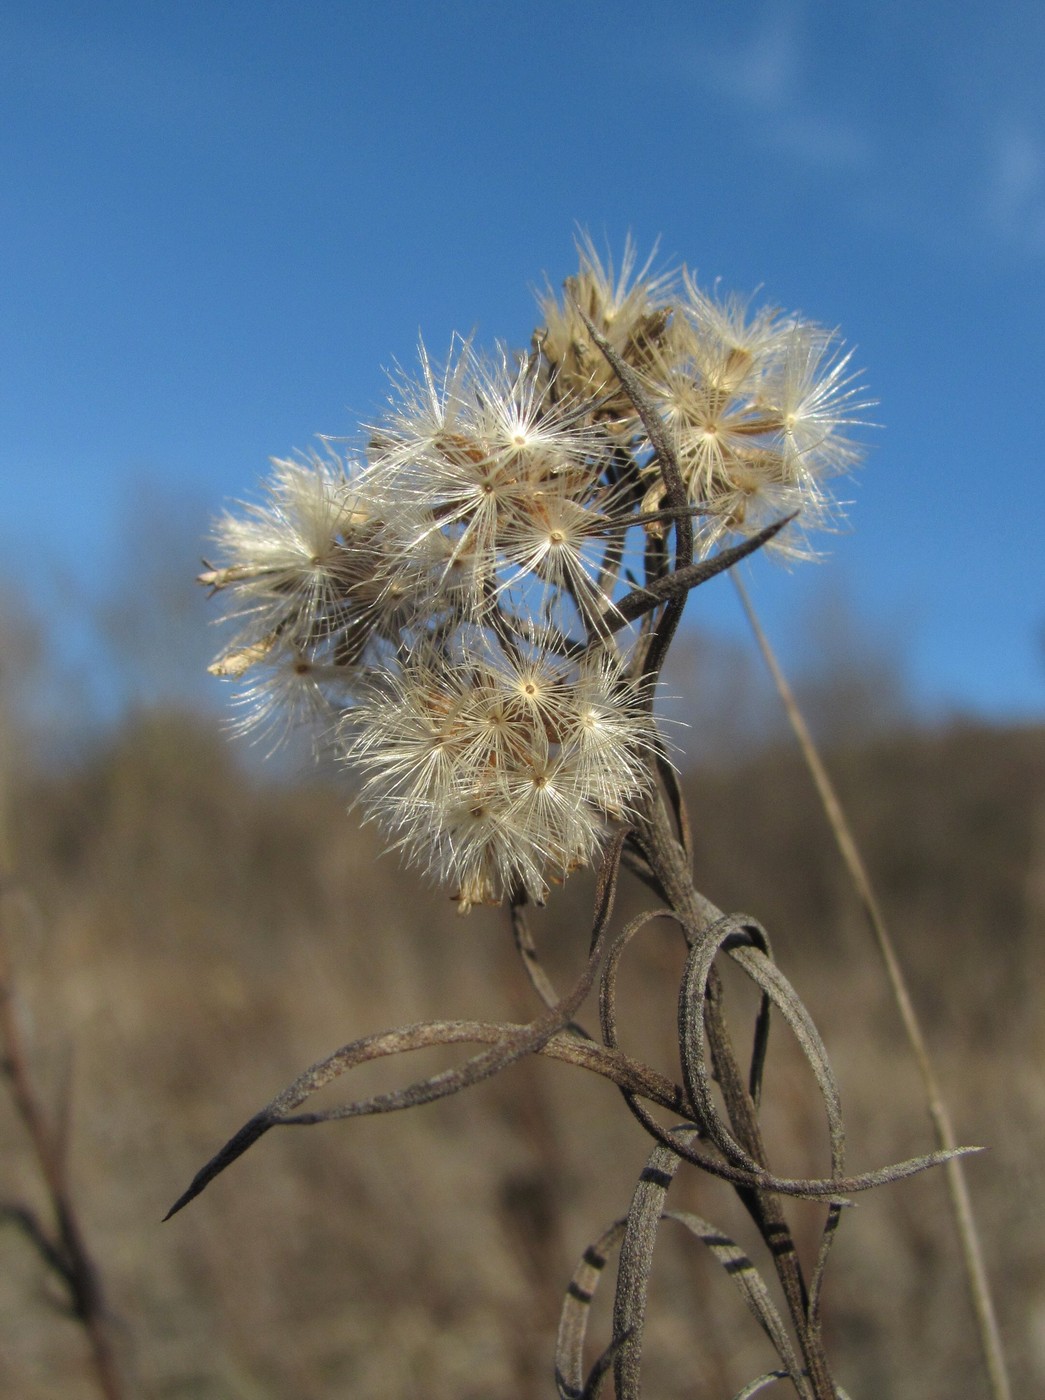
(188, 936)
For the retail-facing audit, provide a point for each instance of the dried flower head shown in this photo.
(298, 573)
(498, 770)
(454, 607)
(628, 308)
(759, 409)
(479, 472)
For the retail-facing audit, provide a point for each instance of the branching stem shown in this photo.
(668, 861)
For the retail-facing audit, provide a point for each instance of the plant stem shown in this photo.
(671, 866)
(68, 1253)
(957, 1187)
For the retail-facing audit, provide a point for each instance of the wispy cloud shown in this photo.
(766, 78)
(1014, 187)
(763, 71)
(926, 156)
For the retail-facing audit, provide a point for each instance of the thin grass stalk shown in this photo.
(957, 1186)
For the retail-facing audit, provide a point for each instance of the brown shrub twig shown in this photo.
(62, 1247)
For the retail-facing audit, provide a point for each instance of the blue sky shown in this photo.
(220, 222)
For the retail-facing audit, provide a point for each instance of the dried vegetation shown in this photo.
(192, 937)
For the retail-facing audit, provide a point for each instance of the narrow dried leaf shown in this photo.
(576, 1310)
(751, 1286)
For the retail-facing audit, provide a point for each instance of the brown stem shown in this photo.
(670, 864)
(676, 496)
(76, 1269)
(946, 1138)
(765, 1207)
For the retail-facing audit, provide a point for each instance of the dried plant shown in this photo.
(474, 616)
(61, 1244)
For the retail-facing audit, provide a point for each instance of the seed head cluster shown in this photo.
(445, 605)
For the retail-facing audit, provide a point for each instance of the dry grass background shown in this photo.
(194, 936)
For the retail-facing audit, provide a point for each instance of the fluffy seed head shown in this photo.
(497, 772)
